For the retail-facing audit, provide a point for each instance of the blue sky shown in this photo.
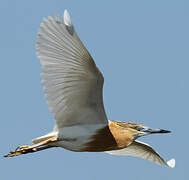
(141, 47)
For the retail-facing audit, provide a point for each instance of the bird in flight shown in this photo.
(73, 89)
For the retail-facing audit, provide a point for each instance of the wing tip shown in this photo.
(171, 163)
(67, 19)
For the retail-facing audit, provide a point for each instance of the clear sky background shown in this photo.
(142, 49)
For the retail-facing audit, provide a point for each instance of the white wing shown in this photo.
(143, 150)
(72, 82)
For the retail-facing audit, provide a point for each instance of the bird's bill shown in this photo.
(153, 131)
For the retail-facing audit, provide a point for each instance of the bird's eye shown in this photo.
(139, 128)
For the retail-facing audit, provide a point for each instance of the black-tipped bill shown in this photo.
(153, 131)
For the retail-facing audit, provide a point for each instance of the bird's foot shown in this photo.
(33, 148)
(21, 150)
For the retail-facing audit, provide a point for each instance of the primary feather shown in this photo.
(72, 82)
(145, 151)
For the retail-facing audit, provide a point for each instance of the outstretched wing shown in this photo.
(72, 82)
(143, 150)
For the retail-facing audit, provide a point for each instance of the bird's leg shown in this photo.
(33, 148)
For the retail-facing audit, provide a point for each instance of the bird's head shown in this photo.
(139, 130)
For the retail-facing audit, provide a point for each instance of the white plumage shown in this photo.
(73, 89)
(72, 83)
(145, 151)
(67, 19)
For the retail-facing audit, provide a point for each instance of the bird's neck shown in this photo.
(111, 137)
(122, 136)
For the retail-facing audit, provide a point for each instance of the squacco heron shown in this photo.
(73, 90)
